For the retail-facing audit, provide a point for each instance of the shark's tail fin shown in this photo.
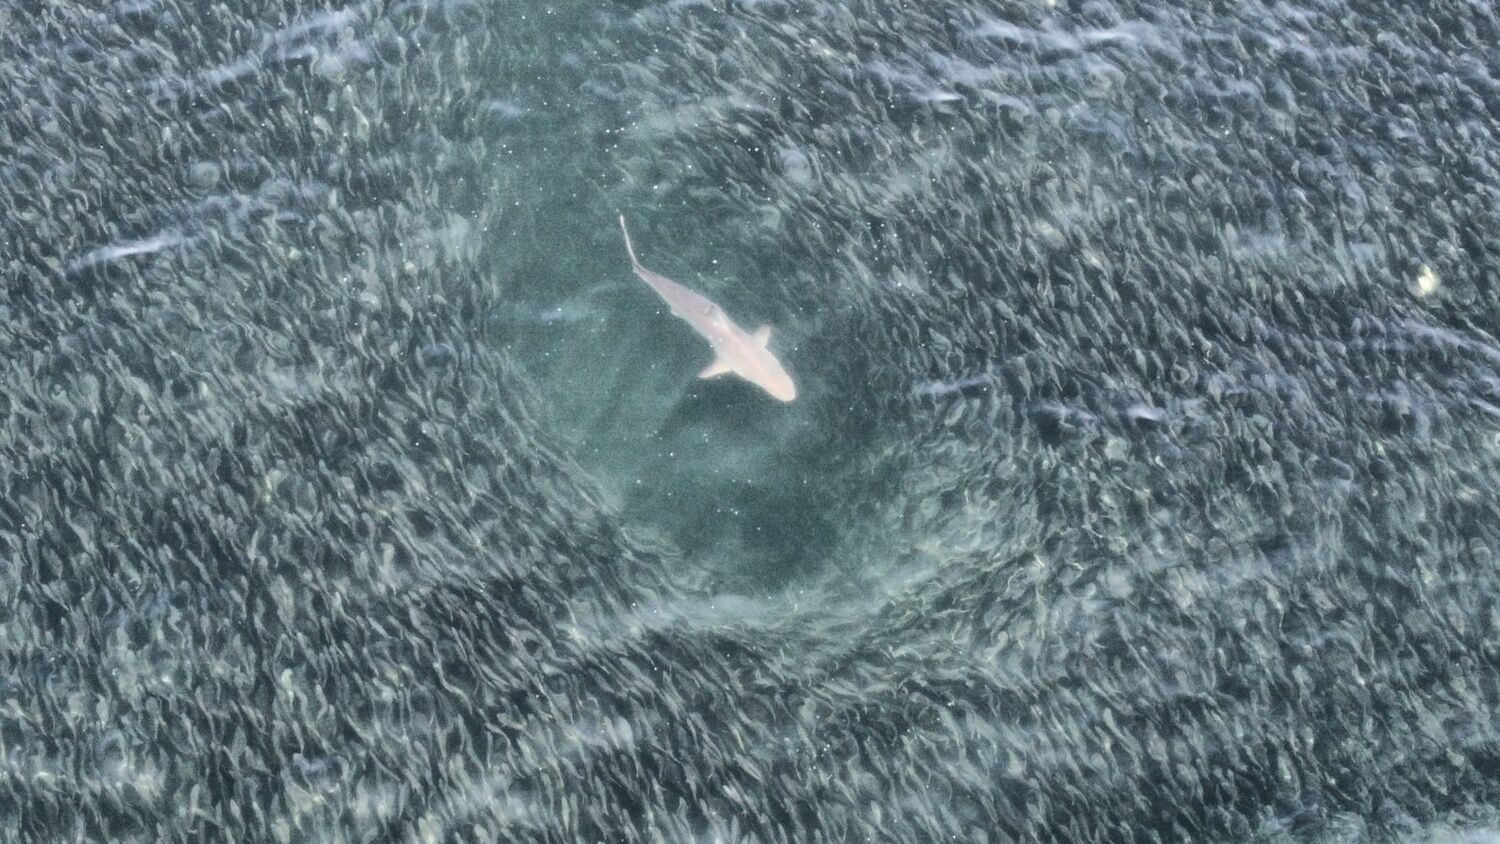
(634, 262)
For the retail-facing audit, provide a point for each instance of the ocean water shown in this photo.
(1141, 484)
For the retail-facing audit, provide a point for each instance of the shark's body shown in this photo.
(735, 350)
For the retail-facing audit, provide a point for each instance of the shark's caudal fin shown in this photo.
(762, 336)
(715, 369)
(634, 262)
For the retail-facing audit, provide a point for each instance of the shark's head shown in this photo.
(779, 384)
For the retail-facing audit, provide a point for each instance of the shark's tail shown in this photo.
(628, 248)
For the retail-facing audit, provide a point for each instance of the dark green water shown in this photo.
(1140, 484)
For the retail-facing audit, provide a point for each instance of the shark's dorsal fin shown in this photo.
(715, 369)
(762, 336)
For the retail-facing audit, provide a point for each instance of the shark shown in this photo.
(735, 350)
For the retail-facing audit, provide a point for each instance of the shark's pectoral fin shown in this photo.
(715, 369)
(762, 336)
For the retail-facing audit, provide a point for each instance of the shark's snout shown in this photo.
(782, 388)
